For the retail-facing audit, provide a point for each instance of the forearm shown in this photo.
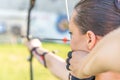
(55, 64)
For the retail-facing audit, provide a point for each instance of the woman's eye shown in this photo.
(70, 34)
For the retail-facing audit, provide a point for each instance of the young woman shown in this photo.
(90, 21)
(104, 57)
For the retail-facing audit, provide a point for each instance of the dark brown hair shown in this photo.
(99, 16)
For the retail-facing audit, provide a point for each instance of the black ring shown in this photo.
(67, 60)
(67, 67)
(70, 54)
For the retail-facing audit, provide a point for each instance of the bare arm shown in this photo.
(105, 56)
(54, 63)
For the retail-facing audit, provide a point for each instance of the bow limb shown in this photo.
(32, 2)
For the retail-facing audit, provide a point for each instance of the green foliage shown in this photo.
(14, 64)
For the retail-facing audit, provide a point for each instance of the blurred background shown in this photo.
(48, 20)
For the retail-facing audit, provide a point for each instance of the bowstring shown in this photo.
(68, 17)
(67, 10)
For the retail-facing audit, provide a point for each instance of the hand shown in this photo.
(34, 43)
(74, 63)
(37, 50)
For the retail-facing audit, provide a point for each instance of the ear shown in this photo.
(91, 39)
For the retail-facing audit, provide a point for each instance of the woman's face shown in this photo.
(78, 40)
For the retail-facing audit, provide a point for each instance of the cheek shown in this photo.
(78, 44)
(75, 43)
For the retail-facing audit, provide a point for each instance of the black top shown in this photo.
(91, 78)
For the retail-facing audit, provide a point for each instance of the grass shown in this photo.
(14, 64)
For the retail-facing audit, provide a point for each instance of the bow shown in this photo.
(32, 2)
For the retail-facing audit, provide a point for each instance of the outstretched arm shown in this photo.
(54, 63)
